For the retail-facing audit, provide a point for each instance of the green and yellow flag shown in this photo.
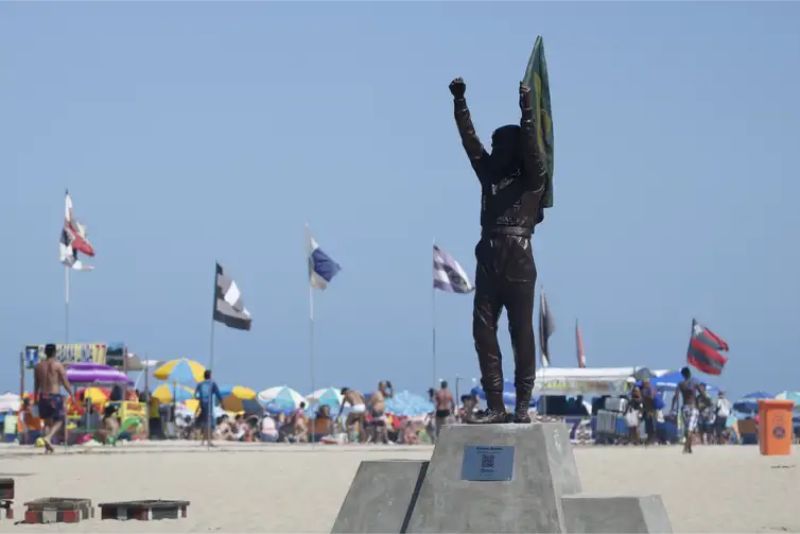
(536, 79)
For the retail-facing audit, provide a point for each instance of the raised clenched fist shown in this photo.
(458, 88)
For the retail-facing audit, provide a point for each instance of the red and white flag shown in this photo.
(579, 346)
(73, 240)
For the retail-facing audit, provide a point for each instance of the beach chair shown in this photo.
(748, 431)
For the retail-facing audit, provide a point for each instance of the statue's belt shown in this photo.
(518, 231)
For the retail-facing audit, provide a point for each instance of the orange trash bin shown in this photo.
(775, 427)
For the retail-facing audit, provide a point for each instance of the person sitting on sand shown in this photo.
(357, 415)
(48, 377)
(269, 429)
(410, 436)
(300, 424)
(109, 427)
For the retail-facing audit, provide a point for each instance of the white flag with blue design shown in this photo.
(448, 275)
(321, 267)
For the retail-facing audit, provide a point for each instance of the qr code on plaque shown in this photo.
(487, 461)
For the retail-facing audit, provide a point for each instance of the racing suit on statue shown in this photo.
(512, 184)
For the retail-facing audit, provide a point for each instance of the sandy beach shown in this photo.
(277, 488)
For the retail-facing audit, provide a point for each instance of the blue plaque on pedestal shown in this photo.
(487, 463)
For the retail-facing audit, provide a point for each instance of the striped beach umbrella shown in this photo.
(167, 393)
(182, 370)
(232, 397)
(280, 399)
(331, 397)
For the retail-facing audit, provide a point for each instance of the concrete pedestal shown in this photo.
(381, 497)
(543, 470)
(491, 478)
(596, 513)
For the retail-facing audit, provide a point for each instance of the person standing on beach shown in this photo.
(649, 410)
(688, 389)
(445, 406)
(358, 412)
(48, 377)
(205, 393)
(722, 409)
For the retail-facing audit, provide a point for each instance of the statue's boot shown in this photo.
(495, 412)
(523, 403)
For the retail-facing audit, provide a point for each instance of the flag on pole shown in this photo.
(228, 305)
(448, 275)
(546, 328)
(321, 267)
(73, 240)
(537, 80)
(704, 350)
(579, 346)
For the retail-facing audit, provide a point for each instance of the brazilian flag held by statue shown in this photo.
(536, 79)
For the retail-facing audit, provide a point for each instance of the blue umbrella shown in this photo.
(749, 403)
(408, 404)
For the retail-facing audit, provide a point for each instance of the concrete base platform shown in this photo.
(542, 469)
(381, 497)
(599, 514)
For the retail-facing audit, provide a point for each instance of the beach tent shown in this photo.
(574, 381)
(670, 381)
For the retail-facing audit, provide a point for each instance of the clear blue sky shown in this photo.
(193, 132)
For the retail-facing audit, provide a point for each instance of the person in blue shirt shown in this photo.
(205, 393)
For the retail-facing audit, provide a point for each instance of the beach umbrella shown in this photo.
(166, 393)
(331, 397)
(280, 399)
(182, 370)
(408, 404)
(87, 373)
(232, 397)
(9, 402)
(793, 396)
(749, 403)
(96, 395)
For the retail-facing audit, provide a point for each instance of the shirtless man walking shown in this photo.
(445, 406)
(48, 377)
(688, 389)
(357, 414)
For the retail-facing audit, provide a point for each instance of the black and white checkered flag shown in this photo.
(228, 305)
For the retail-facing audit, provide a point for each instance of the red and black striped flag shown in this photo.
(704, 350)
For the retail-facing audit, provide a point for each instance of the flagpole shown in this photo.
(311, 345)
(433, 324)
(310, 326)
(66, 304)
(211, 363)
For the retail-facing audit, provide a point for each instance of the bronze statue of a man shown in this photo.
(513, 180)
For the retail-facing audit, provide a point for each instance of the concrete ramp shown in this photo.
(497, 478)
(381, 497)
(621, 514)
